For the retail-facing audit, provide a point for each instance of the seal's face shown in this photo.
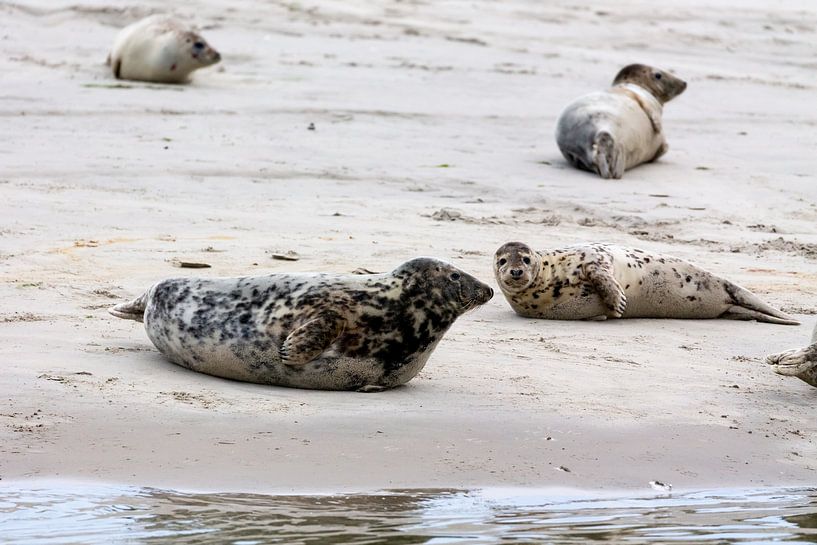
(199, 51)
(437, 283)
(516, 267)
(663, 85)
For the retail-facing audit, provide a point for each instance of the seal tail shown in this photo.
(748, 306)
(133, 310)
(608, 161)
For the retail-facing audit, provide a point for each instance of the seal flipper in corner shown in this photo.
(799, 362)
(747, 306)
(308, 341)
(133, 310)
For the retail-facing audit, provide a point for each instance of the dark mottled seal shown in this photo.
(798, 362)
(597, 281)
(611, 131)
(319, 331)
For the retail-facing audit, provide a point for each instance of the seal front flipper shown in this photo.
(662, 149)
(608, 288)
(308, 341)
(794, 362)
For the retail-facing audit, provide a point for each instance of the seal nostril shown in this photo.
(516, 273)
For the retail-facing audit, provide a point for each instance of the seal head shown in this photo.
(662, 85)
(447, 286)
(200, 53)
(516, 266)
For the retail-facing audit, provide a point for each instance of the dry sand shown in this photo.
(417, 107)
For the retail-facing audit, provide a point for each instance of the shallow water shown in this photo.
(96, 514)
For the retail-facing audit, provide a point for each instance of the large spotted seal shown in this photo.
(597, 281)
(319, 331)
(798, 362)
(159, 49)
(611, 131)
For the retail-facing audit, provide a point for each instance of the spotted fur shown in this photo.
(612, 131)
(799, 362)
(319, 331)
(596, 281)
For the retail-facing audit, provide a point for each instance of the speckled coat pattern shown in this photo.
(320, 331)
(591, 281)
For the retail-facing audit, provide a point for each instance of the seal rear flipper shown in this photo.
(747, 306)
(736, 312)
(607, 160)
(310, 340)
(134, 310)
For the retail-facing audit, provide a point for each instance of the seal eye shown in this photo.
(657, 75)
(455, 276)
(502, 261)
(198, 45)
(526, 260)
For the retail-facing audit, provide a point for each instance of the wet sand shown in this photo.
(417, 107)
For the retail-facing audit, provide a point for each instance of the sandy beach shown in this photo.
(433, 135)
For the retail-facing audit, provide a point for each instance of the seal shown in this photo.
(599, 281)
(798, 362)
(317, 331)
(159, 49)
(611, 131)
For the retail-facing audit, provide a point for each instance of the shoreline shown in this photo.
(433, 136)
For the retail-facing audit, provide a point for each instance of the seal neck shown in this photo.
(641, 94)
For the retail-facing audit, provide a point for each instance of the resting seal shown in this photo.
(798, 362)
(598, 281)
(318, 331)
(159, 49)
(611, 131)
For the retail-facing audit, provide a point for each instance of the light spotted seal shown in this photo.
(317, 331)
(611, 131)
(798, 362)
(159, 49)
(598, 281)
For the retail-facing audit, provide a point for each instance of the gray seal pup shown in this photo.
(599, 281)
(159, 49)
(611, 131)
(798, 362)
(309, 330)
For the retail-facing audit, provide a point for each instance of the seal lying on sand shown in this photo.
(597, 281)
(798, 362)
(319, 331)
(611, 131)
(159, 49)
